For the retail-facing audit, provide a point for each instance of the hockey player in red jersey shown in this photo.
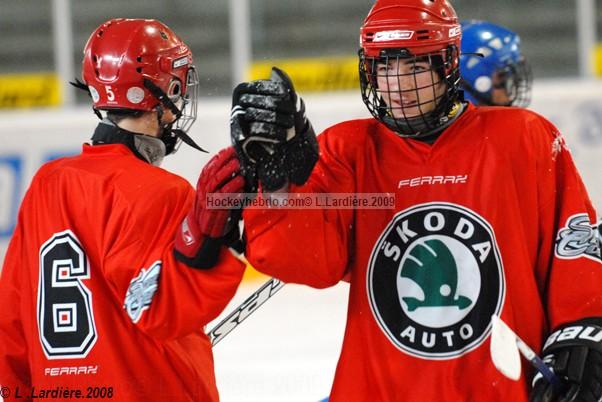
(490, 218)
(115, 264)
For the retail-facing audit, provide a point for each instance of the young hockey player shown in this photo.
(115, 264)
(490, 218)
(494, 72)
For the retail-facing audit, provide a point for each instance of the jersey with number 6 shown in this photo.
(92, 298)
(492, 219)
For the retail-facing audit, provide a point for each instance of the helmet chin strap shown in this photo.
(162, 97)
(169, 135)
(424, 131)
(187, 139)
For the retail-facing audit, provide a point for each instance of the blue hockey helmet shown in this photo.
(491, 59)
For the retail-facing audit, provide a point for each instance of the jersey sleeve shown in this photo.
(569, 266)
(14, 362)
(162, 296)
(307, 245)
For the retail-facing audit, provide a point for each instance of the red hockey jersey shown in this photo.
(492, 218)
(93, 301)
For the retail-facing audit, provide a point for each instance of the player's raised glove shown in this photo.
(205, 230)
(272, 136)
(574, 352)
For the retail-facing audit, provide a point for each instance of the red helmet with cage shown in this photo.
(410, 29)
(121, 53)
(140, 65)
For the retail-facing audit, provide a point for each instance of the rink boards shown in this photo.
(30, 138)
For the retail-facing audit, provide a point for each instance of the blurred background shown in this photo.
(278, 29)
(316, 41)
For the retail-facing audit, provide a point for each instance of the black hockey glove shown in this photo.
(275, 142)
(574, 352)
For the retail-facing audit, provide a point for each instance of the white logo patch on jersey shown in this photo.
(579, 238)
(435, 277)
(141, 291)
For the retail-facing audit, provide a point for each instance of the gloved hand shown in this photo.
(204, 230)
(275, 142)
(574, 352)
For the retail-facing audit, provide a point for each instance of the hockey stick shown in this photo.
(505, 347)
(247, 307)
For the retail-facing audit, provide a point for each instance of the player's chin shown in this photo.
(406, 112)
(413, 111)
(501, 101)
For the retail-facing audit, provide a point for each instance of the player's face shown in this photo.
(168, 116)
(499, 91)
(410, 87)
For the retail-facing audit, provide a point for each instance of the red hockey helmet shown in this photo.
(139, 64)
(420, 26)
(121, 53)
(415, 30)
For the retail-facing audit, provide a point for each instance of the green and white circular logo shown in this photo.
(435, 278)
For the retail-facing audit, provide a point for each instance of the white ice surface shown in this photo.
(287, 350)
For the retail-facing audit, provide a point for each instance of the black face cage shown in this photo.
(398, 117)
(517, 80)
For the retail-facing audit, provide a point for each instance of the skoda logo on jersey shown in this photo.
(435, 278)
